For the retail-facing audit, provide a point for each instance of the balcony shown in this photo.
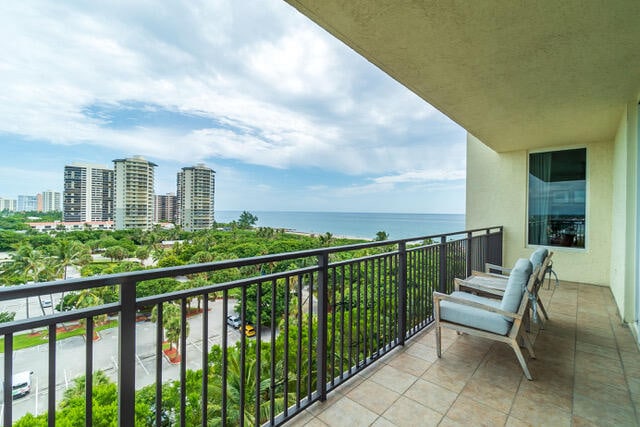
(587, 373)
(344, 330)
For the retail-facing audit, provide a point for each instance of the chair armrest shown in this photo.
(478, 287)
(488, 267)
(492, 275)
(437, 297)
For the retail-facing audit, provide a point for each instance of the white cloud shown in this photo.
(422, 176)
(287, 93)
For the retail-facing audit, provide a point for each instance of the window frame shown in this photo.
(587, 222)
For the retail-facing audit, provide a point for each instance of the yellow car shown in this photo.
(249, 330)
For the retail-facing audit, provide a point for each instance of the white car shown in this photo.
(21, 384)
(234, 320)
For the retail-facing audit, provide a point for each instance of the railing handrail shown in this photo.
(391, 290)
(67, 285)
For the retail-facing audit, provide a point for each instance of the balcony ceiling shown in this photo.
(517, 75)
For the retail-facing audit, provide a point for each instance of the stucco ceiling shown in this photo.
(515, 74)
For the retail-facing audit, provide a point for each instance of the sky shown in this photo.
(289, 117)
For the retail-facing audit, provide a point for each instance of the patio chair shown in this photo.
(537, 258)
(488, 282)
(499, 320)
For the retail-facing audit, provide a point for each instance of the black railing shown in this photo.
(317, 324)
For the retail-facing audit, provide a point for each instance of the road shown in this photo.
(71, 361)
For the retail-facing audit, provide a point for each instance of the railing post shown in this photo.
(126, 354)
(442, 282)
(469, 237)
(402, 292)
(500, 244)
(487, 258)
(321, 352)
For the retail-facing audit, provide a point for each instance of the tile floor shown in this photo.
(587, 373)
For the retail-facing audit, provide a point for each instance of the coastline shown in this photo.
(362, 226)
(337, 236)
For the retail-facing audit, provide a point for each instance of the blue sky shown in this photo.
(287, 116)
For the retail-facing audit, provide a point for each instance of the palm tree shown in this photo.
(30, 265)
(171, 322)
(67, 253)
(70, 252)
(381, 236)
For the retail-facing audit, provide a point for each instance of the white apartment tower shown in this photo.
(196, 190)
(50, 201)
(88, 193)
(165, 208)
(134, 179)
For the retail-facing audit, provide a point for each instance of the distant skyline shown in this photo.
(289, 117)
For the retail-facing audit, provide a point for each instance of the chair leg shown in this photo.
(523, 363)
(528, 345)
(544, 311)
(438, 337)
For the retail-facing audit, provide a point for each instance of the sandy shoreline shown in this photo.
(336, 236)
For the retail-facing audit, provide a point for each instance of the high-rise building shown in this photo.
(196, 191)
(88, 193)
(133, 178)
(164, 208)
(7, 204)
(49, 201)
(27, 203)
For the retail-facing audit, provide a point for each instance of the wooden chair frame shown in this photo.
(496, 283)
(516, 332)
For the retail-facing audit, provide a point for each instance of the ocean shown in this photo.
(355, 224)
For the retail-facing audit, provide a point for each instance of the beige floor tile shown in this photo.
(422, 351)
(470, 412)
(393, 378)
(410, 364)
(583, 422)
(408, 412)
(373, 396)
(603, 392)
(593, 360)
(503, 372)
(345, 412)
(489, 394)
(382, 422)
(319, 407)
(601, 374)
(300, 420)
(631, 363)
(539, 414)
(591, 338)
(431, 395)
(608, 352)
(515, 422)
(447, 377)
(603, 413)
(547, 394)
(315, 422)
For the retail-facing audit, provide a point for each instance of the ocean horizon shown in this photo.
(362, 225)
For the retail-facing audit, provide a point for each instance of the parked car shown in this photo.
(46, 303)
(249, 330)
(21, 384)
(234, 320)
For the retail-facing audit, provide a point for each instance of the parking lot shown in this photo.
(70, 354)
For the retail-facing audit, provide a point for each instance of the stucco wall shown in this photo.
(497, 194)
(619, 215)
(624, 263)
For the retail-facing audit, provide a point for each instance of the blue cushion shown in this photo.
(475, 317)
(516, 285)
(538, 256)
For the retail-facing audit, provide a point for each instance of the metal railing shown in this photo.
(318, 323)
